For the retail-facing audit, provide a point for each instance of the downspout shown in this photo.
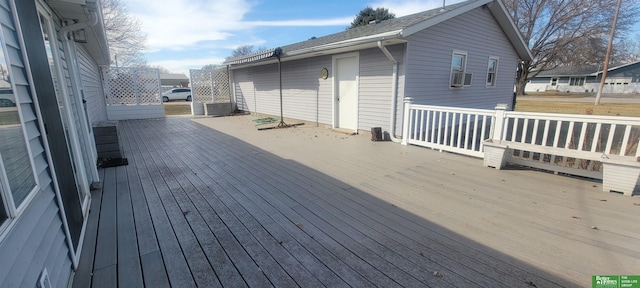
(394, 92)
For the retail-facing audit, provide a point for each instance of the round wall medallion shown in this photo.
(324, 73)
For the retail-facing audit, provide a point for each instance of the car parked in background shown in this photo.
(177, 94)
(7, 99)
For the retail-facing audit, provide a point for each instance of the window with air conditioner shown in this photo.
(459, 77)
(492, 71)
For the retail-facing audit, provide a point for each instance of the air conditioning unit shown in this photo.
(467, 79)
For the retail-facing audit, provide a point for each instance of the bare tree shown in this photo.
(245, 50)
(126, 39)
(555, 28)
(162, 69)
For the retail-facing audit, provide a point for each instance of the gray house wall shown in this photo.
(308, 97)
(35, 239)
(429, 55)
(92, 84)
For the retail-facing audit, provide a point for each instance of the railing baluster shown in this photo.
(556, 140)
(475, 132)
(414, 127)
(596, 137)
(433, 126)
(625, 141)
(440, 127)
(612, 133)
(583, 136)
(423, 120)
(466, 133)
(516, 121)
(460, 123)
(446, 129)
(525, 130)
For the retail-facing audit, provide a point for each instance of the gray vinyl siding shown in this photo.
(243, 90)
(375, 87)
(429, 62)
(308, 97)
(92, 84)
(541, 80)
(305, 95)
(266, 86)
(37, 239)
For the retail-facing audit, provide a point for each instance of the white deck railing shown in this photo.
(462, 131)
(447, 129)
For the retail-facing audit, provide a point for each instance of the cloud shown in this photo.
(306, 22)
(402, 8)
(178, 24)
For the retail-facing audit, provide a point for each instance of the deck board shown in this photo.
(212, 202)
(129, 269)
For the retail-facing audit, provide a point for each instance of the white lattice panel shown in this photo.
(210, 85)
(131, 86)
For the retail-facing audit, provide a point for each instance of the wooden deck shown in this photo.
(212, 202)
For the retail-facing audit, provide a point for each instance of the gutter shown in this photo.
(77, 26)
(394, 92)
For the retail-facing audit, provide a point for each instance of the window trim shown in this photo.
(494, 83)
(581, 80)
(464, 55)
(12, 211)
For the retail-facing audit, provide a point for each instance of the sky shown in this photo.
(188, 34)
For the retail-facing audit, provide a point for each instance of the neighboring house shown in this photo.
(620, 79)
(52, 51)
(173, 80)
(462, 55)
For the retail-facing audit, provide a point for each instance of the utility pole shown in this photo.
(606, 58)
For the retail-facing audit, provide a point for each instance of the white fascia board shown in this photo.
(509, 27)
(346, 43)
(337, 47)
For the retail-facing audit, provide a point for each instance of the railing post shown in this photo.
(498, 122)
(405, 121)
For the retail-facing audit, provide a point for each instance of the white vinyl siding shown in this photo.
(429, 60)
(36, 239)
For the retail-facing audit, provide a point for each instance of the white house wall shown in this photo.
(429, 55)
(37, 240)
(306, 96)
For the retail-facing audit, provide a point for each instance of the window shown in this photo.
(576, 81)
(17, 181)
(458, 68)
(492, 71)
(554, 81)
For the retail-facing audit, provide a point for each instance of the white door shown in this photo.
(346, 92)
